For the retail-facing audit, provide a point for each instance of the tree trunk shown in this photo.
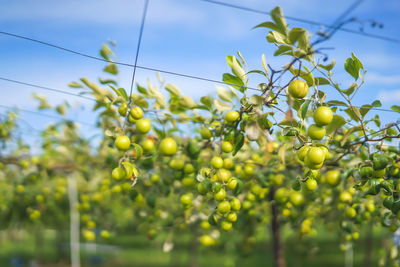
(193, 259)
(277, 244)
(369, 246)
(38, 235)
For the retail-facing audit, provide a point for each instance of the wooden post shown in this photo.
(277, 244)
(74, 221)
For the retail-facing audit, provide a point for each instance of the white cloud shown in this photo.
(374, 77)
(392, 96)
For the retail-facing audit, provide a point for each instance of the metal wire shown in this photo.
(311, 22)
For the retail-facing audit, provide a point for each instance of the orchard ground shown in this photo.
(136, 250)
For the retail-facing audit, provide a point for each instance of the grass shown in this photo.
(136, 250)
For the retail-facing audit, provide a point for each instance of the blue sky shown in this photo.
(191, 37)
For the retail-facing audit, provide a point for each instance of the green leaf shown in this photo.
(256, 100)
(172, 89)
(224, 94)
(276, 37)
(268, 24)
(187, 102)
(238, 142)
(141, 89)
(108, 81)
(304, 109)
(238, 187)
(349, 132)
(233, 81)
(221, 106)
(229, 61)
(296, 185)
(252, 130)
(300, 36)
(106, 52)
(350, 90)
(353, 67)
(391, 131)
(353, 112)
(257, 71)
(279, 19)
(321, 81)
(335, 103)
(337, 122)
(264, 63)
(357, 62)
(207, 101)
(282, 49)
(91, 85)
(365, 109)
(120, 92)
(139, 101)
(43, 103)
(212, 219)
(238, 70)
(376, 120)
(376, 104)
(138, 150)
(295, 34)
(75, 85)
(329, 66)
(308, 77)
(111, 68)
(395, 108)
(242, 59)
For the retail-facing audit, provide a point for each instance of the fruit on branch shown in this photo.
(302, 152)
(345, 197)
(122, 142)
(122, 109)
(281, 195)
(380, 161)
(226, 226)
(227, 147)
(232, 116)
(177, 164)
(235, 204)
(228, 163)
(207, 240)
(118, 173)
(298, 89)
(232, 217)
(316, 132)
(189, 168)
(205, 133)
(136, 113)
(296, 198)
(315, 155)
(378, 173)
(148, 145)
(220, 195)
(311, 184)
(186, 200)
(217, 162)
(333, 178)
(351, 212)
(232, 184)
(223, 175)
(224, 207)
(143, 125)
(323, 116)
(168, 146)
(131, 119)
